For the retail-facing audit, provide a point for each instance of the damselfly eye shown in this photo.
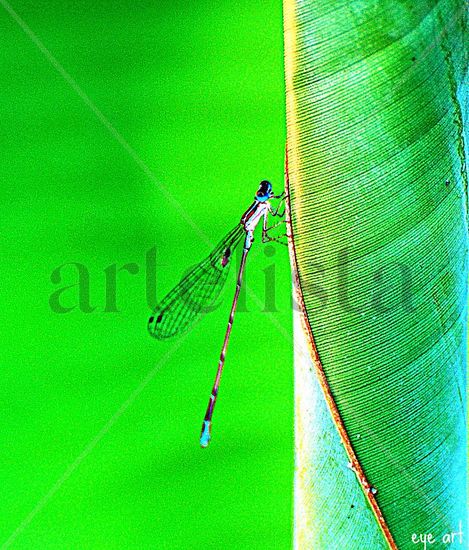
(265, 189)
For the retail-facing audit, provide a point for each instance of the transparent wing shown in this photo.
(196, 292)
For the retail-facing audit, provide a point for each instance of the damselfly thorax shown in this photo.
(198, 290)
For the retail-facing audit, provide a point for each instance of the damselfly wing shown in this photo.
(196, 293)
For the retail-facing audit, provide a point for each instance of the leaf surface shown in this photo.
(376, 106)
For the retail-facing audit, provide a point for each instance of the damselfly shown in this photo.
(198, 290)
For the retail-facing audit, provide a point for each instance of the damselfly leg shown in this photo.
(275, 213)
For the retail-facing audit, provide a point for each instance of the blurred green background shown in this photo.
(99, 450)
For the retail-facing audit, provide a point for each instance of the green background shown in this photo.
(197, 90)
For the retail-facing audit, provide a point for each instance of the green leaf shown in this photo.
(376, 106)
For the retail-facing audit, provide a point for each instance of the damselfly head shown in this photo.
(264, 192)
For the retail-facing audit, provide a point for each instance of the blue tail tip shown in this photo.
(205, 435)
